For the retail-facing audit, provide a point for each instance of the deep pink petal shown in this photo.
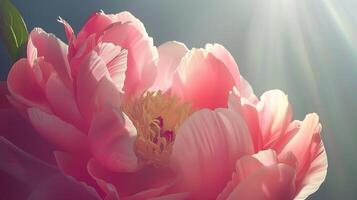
(74, 165)
(44, 181)
(170, 55)
(55, 130)
(112, 136)
(4, 92)
(17, 129)
(145, 183)
(206, 148)
(203, 80)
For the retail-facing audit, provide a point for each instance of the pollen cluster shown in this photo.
(157, 117)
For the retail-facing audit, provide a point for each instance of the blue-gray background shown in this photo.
(307, 48)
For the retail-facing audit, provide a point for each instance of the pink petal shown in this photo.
(267, 183)
(43, 181)
(142, 55)
(95, 24)
(57, 131)
(74, 165)
(206, 148)
(70, 37)
(115, 59)
(224, 56)
(91, 71)
(246, 91)
(203, 80)
(107, 94)
(251, 117)
(4, 102)
(54, 51)
(63, 101)
(145, 183)
(24, 87)
(299, 145)
(17, 129)
(176, 196)
(170, 55)
(316, 172)
(112, 136)
(275, 115)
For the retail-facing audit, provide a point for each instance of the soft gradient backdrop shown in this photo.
(308, 48)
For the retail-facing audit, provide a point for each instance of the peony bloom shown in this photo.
(139, 122)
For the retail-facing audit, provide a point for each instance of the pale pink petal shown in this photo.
(275, 115)
(315, 174)
(170, 55)
(206, 147)
(43, 181)
(246, 91)
(267, 183)
(127, 17)
(24, 87)
(115, 59)
(300, 143)
(52, 49)
(62, 101)
(91, 71)
(203, 80)
(224, 56)
(57, 131)
(247, 166)
(238, 103)
(112, 136)
(107, 94)
(42, 71)
(142, 55)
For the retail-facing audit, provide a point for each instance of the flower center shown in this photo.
(157, 117)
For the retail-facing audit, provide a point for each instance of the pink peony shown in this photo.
(138, 122)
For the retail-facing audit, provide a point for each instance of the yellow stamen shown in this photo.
(157, 117)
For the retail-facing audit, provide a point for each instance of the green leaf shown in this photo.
(13, 30)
